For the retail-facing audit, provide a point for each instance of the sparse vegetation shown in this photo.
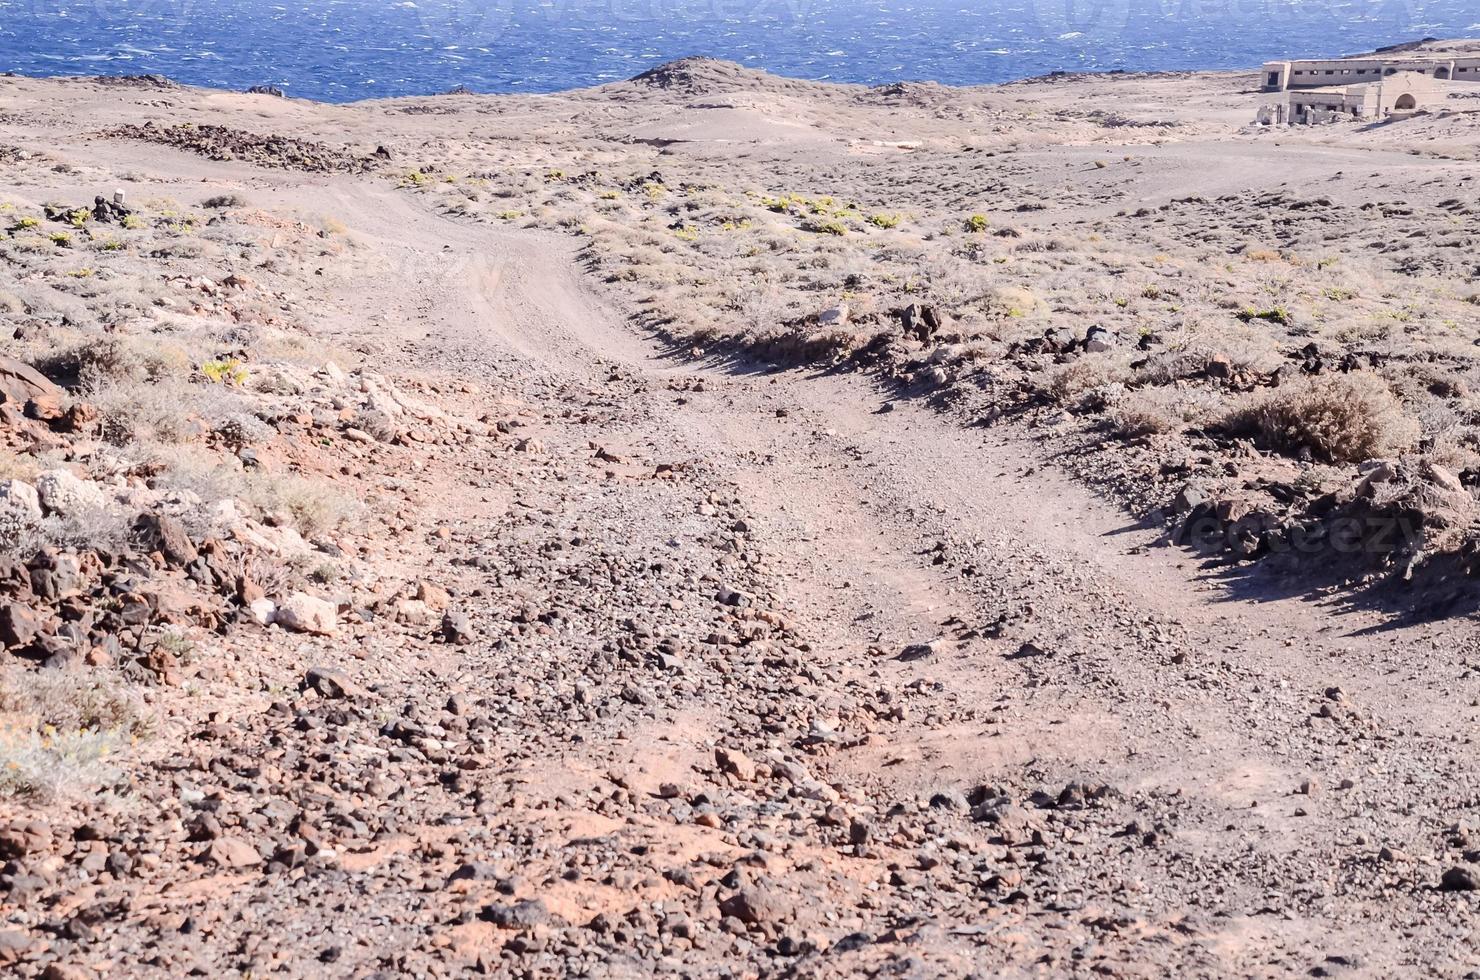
(1340, 419)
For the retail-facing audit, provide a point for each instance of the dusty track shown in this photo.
(1202, 774)
(1153, 676)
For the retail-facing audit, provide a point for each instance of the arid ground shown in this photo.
(721, 525)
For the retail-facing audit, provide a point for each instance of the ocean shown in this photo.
(343, 50)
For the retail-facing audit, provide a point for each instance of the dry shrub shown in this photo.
(14, 466)
(59, 729)
(1085, 384)
(1336, 419)
(315, 506)
(98, 361)
(168, 411)
(1138, 416)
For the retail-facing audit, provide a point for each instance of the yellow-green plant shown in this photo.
(227, 371)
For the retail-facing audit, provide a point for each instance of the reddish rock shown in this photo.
(19, 624)
(23, 385)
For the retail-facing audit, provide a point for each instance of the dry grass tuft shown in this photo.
(60, 730)
(1334, 419)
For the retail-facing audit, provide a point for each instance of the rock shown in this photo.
(1443, 478)
(1189, 498)
(834, 316)
(518, 915)
(19, 624)
(64, 493)
(758, 904)
(233, 852)
(303, 613)
(14, 944)
(166, 535)
(331, 683)
(475, 871)
(1458, 879)
(262, 611)
(735, 763)
(271, 90)
(1219, 366)
(920, 322)
(434, 596)
(456, 628)
(413, 612)
(23, 386)
(1098, 340)
(732, 597)
(21, 496)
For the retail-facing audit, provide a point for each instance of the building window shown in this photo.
(1274, 78)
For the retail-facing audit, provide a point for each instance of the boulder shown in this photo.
(456, 628)
(303, 613)
(436, 597)
(735, 763)
(262, 610)
(22, 385)
(19, 624)
(64, 493)
(331, 683)
(1098, 340)
(758, 905)
(167, 536)
(834, 316)
(21, 496)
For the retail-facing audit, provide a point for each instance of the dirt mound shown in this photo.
(712, 76)
(695, 75)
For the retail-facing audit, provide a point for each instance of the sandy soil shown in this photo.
(766, 667)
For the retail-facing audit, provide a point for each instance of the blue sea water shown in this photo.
(341, 50)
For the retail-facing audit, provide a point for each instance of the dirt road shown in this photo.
(1264, 751)
(763, 673)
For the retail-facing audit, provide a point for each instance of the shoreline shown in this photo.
(165, 82)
